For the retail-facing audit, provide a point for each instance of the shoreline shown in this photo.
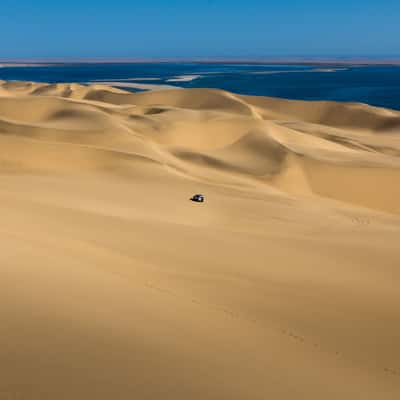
(121, 84)
(140, 86)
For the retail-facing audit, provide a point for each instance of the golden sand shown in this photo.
(284, 284)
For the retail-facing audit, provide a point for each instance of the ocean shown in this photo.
(374, 85)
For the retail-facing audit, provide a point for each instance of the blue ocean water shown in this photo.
(375, 85)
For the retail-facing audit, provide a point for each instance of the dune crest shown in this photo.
(354, 146)
(282, 285)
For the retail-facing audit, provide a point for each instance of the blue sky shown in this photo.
(207, 28)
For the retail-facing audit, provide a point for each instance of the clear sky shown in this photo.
(203, 28)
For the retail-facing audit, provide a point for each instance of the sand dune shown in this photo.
(282, 285)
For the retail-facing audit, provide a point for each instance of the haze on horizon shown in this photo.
(46, 29)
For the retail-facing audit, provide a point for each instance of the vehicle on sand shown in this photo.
(199, 198)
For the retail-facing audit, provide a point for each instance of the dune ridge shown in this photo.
(282, 284)
(259, 139)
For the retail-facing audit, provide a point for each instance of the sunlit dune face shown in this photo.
(282, 284)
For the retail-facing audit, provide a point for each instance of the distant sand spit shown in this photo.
(184, 78)
(141, 86)
(282, 285)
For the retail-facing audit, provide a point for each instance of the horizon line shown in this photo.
(376, 60)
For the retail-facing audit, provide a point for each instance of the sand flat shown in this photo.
(141, 86)
(282, 285)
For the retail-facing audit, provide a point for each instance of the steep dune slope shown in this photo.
(282, 285)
